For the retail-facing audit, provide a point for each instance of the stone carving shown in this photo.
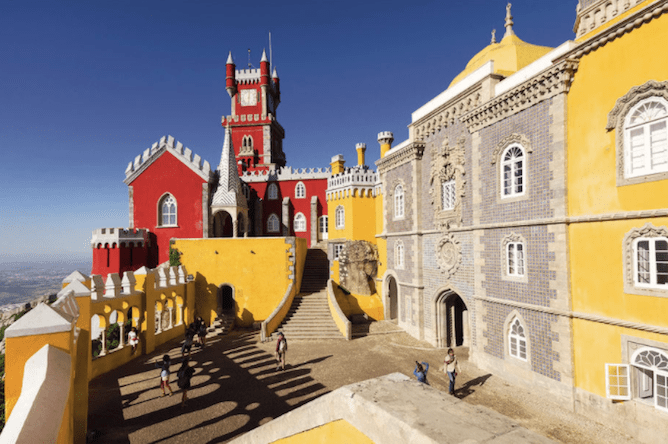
(358, 267)
(448, 255)
(507, 141)
(447, 163)
(647, 231)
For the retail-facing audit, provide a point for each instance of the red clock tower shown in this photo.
(257, 137)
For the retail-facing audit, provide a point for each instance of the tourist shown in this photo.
(164, 374)
(185, 373)
(452, 368)
(420, 371)
(133, 340)
(201, 331)
(188, 342)
(281, 349)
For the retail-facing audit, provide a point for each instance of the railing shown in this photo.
(342, 322)
(270, 324)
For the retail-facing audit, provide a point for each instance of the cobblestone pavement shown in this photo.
(236, 388)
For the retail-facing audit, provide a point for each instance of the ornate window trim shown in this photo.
(447, 164)
(524, 143)
(513, 238)
(161, 213)
(448, 255)
(399, 202)
(392, 199)
(648, 231)
(617, 120)
(273, 223)
(299, 223)
(510, 319)
(272, 191)
(399, 255)
(300, 190)
(340, 217)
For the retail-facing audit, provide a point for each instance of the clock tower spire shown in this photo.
(257, 137)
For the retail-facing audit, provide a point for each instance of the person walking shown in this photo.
(133, 340)
(164, 374)
(420, 371)
(281, 349)
(451, 368)
(188, 342)
(184, 374)
(201, 332)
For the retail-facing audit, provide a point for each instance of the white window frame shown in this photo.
(448, 195)
(650, 264)
(618, 382)
(272, 191)
(659, 378)
(273, 223)
(515, 254)
(338, 248)
(399, 255)
(161, 212)
(511, 164)
(340, 217)
(518, 339)
(300, 190)
(323, 227)
(645, 128)
(299, 223)
(399, 202)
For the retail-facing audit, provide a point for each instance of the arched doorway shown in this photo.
(222, 225)
(391, 298)
(225, 298)
(452, 320)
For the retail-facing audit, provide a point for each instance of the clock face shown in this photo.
(248, 97)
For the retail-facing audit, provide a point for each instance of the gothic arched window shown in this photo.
(273, 224)
(167, 211)
(513, 171)
(398, 202)
(300, 190)
(300, 223)
(646, 138)
(272, 192)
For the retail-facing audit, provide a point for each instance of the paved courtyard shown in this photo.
(236, 388)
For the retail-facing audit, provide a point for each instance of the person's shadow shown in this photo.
(467, 389)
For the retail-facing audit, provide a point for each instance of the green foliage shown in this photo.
(174, 257)
(113, 334)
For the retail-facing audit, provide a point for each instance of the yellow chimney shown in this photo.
(385, 139)
(361, 148)
(337, 164)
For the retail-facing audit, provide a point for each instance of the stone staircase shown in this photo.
(223, 323)
(309, 316)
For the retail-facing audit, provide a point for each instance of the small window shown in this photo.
(513, 171)
(398, 202)
(646, 138)
(300, 222)
(272, 192)
(167, 217)
(300, 191)
(515, 254)
(340, 217)
(617, 381)
(651, 262)
(338, 248)
(323, 227)
(273, 224)
(247, 144)
(448, 195)
(517, 342)
(399, 255)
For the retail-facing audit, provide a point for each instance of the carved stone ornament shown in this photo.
(520, 139)
(358, 267)
(447, 163)
(647, 231)
(448, 255)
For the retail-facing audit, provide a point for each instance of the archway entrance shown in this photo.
(452, 320)
(392, 296)
(223, 225)
(225, 298)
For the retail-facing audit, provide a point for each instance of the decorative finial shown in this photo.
(509, 22)
(493, 36)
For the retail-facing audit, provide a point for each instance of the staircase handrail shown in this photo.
(342, 323)
(272, 322)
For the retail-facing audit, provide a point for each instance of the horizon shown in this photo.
(86, 88)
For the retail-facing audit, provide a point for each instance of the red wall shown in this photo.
(120, 259)
(168, 174)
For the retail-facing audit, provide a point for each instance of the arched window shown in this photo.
(273, 224)
(272, 192)
(247, 144)
(340, 217)
(300, 223)
(652, 376)
(167, 209)
(515, 255)
(651, 262)
(300, 191)
(513, 171)
(517, 341)
(399, 255)
(398, 202)
(646, 138)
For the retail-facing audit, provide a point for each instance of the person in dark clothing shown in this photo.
(184, 374)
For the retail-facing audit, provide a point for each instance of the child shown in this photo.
(420, 371)
(164, 374)
(133, 340)
(281, 349)
(185, 373)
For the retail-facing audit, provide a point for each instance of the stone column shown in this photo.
(121, 340)
(104, 343)
(171, 314)
(314, 221)
(467, 328)
(158, 315)
(451, 321)
(179, 312)
(235, 225)
(285, 216)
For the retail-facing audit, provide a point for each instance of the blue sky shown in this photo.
(87, 86)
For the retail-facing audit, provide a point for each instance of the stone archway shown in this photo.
(223, 225)
(225, 298)
(452, 320)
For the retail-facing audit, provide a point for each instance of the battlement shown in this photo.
(248, 118)
(141, 162)
(247, 76)
(119, 236)
(286, 173)
(357, 177)
(115, 286)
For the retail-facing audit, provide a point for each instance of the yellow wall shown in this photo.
(360, 218)
(257, 269)
(340, 431)
(352, 304)
(603, 76)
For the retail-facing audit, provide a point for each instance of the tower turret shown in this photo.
(361, 148)
(385, 139)
(264, 69)
(230, 80)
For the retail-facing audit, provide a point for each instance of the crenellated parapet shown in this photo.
(593, 14)
(119, 236)
(285, 173)
(358, 180)
(167, 143)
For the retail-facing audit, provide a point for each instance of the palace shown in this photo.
(524, 217)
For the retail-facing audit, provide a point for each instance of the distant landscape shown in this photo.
(25, 281)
